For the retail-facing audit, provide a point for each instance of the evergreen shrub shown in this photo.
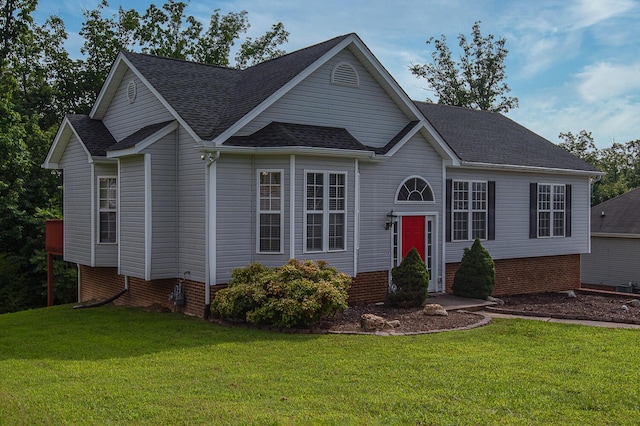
(409, 281)
(476, 275)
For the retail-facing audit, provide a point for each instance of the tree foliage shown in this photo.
(40, 82)
(476, 80)
(620, 162)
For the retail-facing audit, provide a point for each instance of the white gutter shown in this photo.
(210, 227)
(528, 169)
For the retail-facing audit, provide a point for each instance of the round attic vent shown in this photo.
(344, 74)
(132, 91)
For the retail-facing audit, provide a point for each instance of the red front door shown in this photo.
(413, 234)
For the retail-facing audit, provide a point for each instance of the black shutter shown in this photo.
(567, 209)
(448, 201)
(491, 206)
(533, 210)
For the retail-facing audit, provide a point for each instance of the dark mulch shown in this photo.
(585, 306)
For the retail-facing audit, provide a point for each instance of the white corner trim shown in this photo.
(118, 215)
(94, 213)
(292, 207)
(356, 215)
(148, 226)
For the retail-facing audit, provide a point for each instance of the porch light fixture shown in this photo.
(391, 219)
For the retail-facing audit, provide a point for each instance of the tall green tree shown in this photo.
(476, 80)
(620, 162)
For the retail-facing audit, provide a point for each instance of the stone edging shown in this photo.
(483, 321)
(560, 316)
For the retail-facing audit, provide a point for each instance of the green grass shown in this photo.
(125, 366)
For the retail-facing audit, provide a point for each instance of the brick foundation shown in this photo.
(531, 274)
(369, 287)
(102, 283)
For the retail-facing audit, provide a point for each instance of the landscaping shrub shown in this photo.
(476, 275)
(297, 294)
(410, 281)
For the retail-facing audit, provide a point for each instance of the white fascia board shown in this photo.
(528, 169)
(119, 68)
(60, 142)
(290, 150)
(616, 235)
(282, 91)
(107, 91)
(145, 143)
(441, 147)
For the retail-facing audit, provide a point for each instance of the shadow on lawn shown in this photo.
(115, 332)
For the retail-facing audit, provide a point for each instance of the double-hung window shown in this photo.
(551, 210)
(270, 205)
(108, 209)
(325, 211)
(469, 210)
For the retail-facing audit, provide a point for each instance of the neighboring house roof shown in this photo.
(92, 133)
(490, 138)
(619, 215)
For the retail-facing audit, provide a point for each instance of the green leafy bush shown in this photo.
(476, 275)
(410, 281)
(297, 294)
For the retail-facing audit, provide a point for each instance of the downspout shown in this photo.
(211, 252)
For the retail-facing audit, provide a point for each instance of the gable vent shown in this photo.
(344, 74)
(132, 91)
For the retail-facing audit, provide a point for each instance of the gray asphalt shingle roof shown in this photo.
(131, 140)
(286, 134)
(93, 134)
(489, 137)
(210, 98)
(621, 214)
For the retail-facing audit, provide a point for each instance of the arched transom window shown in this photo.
(415, 189)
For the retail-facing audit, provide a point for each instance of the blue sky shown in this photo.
(573, 64)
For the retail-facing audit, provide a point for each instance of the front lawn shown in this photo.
(115, 365)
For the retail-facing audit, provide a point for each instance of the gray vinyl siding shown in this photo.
(106, 255)
(76, 203)
(612, 261)
(132, 216)
(512, 216)
(342, 260)
(191, 209)
(379, 183)
(164, 243)
(234, 218)
(367, 112)
(124, 118)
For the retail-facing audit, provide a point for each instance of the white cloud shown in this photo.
(604, 81)
(587, 13)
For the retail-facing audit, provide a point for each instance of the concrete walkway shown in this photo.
(456, 303)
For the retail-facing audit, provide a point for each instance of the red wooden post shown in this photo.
(49, 279)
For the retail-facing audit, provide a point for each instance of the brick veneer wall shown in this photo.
(369, 287)
(531, 274)
(102, 283)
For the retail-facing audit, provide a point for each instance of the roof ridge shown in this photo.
(182, 60)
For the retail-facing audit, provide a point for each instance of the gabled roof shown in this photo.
(139, 136)
(619, 215)
(211, 98)
(92, 134)
(485, 137)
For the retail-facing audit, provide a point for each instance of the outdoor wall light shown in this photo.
(391, 219)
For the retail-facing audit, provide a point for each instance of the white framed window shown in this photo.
(469, 210)
(414, 189)
(325, 211)
(551, 210)
(270, 207)
(107, 209)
